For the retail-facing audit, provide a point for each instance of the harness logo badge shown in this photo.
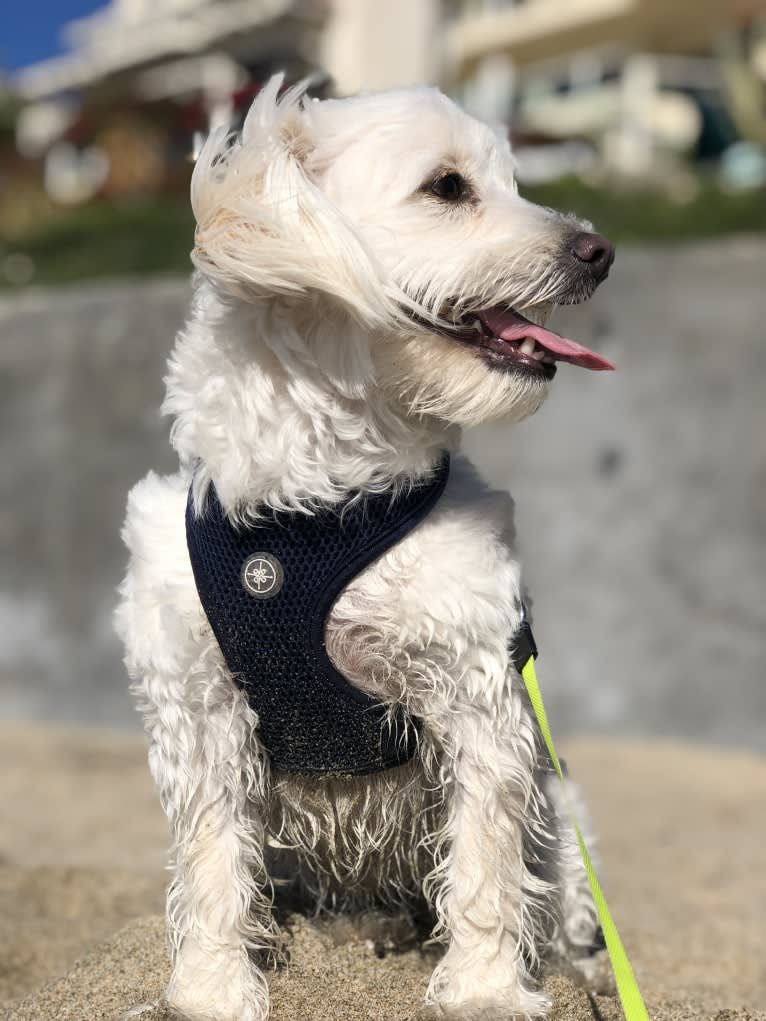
(262, 575)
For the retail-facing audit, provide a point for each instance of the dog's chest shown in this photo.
(449, 589)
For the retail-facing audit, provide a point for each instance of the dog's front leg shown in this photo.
(488, 900)
(212, 782)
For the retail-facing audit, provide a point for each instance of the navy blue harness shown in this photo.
(267, 589)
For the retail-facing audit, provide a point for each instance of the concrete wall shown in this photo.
(641, 496)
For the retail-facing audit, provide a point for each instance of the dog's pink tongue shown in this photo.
(510, 325)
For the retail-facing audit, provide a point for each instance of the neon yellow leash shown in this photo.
(633, 1004)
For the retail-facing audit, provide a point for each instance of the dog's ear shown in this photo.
(264, 227)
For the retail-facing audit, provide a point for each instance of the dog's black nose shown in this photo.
(595, 250)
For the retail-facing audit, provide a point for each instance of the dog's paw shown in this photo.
(224, 1008)
(534, 1007)
(216, 985)
(594, 973)
(587, 965)
(234, 1001)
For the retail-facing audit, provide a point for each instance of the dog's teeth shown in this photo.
(477, 325)
(528, 347)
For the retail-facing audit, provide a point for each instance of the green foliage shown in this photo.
(109, 239)
(9, 108)
(649, 215)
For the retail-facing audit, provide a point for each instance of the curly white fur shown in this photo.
(301, 377)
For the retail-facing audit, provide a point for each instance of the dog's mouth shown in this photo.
(512, 341)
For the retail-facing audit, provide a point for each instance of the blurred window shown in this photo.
(454, 9)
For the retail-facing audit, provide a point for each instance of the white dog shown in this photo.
(362, 269)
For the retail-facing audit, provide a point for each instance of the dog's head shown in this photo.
(386, 235)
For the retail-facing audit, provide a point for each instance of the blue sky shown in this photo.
(30, 29)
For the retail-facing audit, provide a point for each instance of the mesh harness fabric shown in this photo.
(267, 588)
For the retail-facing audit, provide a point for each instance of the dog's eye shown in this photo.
(450, 187)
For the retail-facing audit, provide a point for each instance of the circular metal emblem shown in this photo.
(262, 575)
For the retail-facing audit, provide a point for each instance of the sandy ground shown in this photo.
(81, 878)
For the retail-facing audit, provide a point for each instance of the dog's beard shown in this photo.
(434, 375)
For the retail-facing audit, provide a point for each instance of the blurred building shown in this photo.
(626, 86)
(161, 48)
(116, 113)
(616, 83)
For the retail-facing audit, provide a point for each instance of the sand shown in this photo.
(81, 877)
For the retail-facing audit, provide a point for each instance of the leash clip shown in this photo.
(524, 645)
